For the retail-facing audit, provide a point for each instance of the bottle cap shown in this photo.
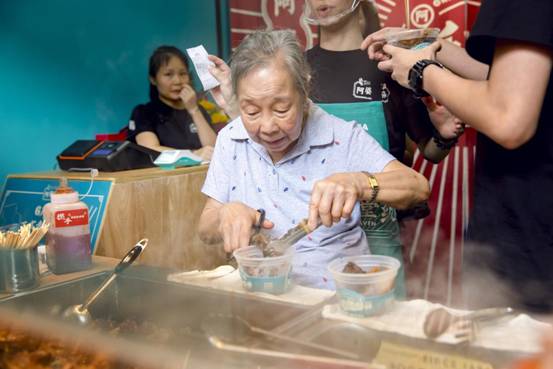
(64, 194)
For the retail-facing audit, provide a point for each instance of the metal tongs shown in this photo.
(237, 330)
(279, 246)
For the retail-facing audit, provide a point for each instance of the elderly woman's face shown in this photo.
(271, 108)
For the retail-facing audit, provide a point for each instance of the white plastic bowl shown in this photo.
(264, 274)
(367, 293)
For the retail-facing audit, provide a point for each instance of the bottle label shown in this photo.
(71, 218)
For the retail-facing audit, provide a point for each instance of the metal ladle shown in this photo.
(235, 329)
(79, 313)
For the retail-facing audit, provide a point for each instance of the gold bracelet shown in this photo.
(373, 183)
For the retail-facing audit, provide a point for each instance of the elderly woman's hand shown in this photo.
(223, 94)
(334, 198)
(402, 60)
(236, 221)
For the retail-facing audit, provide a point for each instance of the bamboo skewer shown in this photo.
(26, 237)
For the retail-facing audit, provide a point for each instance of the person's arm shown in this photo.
(205, 132)
(223, 94)
(432, 152)
(223, 219)
(334, 197)
(231, 223)
(429, 124)
(447, 128)
(400, 186)
(142, 127)
(457, 60)
(506, 108)
(208, 228)
(150, 140)
(452, 56)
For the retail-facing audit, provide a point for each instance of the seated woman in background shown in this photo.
(172, 119)
(286, 155)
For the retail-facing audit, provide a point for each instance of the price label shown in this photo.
(394, 356)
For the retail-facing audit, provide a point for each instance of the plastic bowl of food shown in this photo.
(413, 38)
(365, 287)
(264, 274)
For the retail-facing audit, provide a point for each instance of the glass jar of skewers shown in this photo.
(19, 257)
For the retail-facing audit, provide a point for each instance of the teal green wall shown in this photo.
(224, 8)
(70, 69)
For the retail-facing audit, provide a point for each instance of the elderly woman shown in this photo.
(289, 157)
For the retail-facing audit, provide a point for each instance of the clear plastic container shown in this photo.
(68, 238)
(413, 38)
(264, 274)
(365, 294)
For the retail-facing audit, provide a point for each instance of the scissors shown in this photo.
(256, 229)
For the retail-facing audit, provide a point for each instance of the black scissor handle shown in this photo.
(257, 226)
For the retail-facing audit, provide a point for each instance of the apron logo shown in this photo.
(362, 89)
(384, 93)
(375, 216)
(193, 128)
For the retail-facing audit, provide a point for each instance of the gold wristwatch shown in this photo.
(374, 186)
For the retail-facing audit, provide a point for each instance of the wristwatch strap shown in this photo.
(415, 76)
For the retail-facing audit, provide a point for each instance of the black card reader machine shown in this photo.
(106, 156)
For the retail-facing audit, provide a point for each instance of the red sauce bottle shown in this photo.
(68, 238)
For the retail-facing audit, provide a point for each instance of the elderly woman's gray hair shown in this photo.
(261, 48)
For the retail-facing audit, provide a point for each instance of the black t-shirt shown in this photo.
(513, 190)
(174, 128)
(335, 75)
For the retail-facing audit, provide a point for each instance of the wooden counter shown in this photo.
(161, 205)
(118, 177)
